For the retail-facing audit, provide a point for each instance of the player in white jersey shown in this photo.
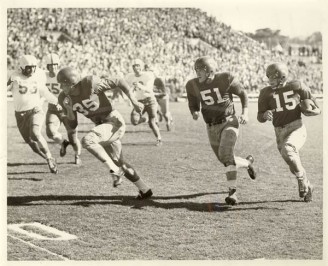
(142, 83)
(54, 118)
(28, 86)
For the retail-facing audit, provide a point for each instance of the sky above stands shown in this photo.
(293, 18)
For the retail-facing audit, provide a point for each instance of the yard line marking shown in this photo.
(37, 247)
(60, 235)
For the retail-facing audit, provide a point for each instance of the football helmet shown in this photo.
(277, 74)
(27, 64)
(52, 61)
(206, 63)
(68, 76)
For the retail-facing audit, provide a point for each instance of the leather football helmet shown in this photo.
(207, 63)
(68, 76)
(138, 62)
(277, 74)
(52, 62)
(28, 64)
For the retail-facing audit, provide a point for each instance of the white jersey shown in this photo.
(52, 84)
(27, 91)
(142, 85)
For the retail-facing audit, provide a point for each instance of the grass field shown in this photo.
(187, 218)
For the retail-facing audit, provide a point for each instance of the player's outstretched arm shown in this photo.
(124, 86)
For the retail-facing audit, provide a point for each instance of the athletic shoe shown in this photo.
(117, 177)
(308, 196)
(52, 165)
(251, 170)
(302, 187)
(146, 195)
(159, 143)
(77, 160)
(232, 197)
(63, 147)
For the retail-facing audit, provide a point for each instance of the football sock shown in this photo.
(141, 185)
(231, 176)
(241, 162)
(35, 147)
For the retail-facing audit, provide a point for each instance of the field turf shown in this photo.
(187, 218)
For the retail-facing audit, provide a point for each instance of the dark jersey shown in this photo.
(216, 98)
(284, 102)
(91, 101)
(159, 88)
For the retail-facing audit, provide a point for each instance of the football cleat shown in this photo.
(117, 177)
(159, 143)
(143, 120)
(146, 195)
(251, 170)
(232, 197)
(77, 160)
(52, 165)
(63, 147)
(308, 196)
(303, 187)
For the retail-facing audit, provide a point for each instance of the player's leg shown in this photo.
(164, 106)
(74, 141)
(36, 127)
(52, 129)
(114, 150)
(23, 120)
(151, 109)
(292, 138)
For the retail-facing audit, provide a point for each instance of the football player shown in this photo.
(163, 100)
(212, 93)
(54, 118)
(28, 86)
(87, 96)
(142, 84)
(279, 103)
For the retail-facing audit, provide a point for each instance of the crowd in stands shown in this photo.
(104, 42)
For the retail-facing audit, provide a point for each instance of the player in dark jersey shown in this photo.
(163, 99)
(213, 92)
(87, 96)
(279, 103)
(54, 117)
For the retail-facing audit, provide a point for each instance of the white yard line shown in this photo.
(37, 247)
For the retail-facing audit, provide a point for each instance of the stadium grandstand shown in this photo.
(104, 41)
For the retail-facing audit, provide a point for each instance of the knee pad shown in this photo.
(89, 139)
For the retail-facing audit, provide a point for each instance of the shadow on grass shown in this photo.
(27, 173)
(130, 201)
(25, 178)
(20, 164)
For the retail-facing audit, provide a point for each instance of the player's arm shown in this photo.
(66, 102)
(122, 84)
(264, 113)
(238, 89)
(44, 92)
(193, 99)
(305, 93)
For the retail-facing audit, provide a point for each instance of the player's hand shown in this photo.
(138, 107)
(59, 107)
(68, 103)
(268, 115)
(313, 112)
(243, 119)
(195, 115)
